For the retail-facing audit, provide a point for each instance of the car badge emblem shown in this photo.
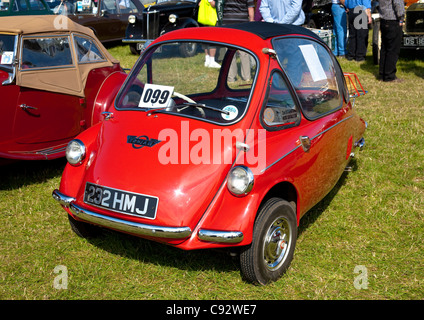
(141, 141)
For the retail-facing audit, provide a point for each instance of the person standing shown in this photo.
(239, 11)
(359, 16)
(392, 13)
(282, 11)
(339, 27)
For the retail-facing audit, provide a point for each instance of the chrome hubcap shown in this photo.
(276, 244)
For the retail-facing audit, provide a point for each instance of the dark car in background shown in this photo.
(107, 18)
(318, 14)
(23, 7)
(158, 19)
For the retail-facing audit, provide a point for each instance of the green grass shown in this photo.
(374, 218)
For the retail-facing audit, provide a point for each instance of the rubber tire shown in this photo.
(82, 229)
(188, 49)
(252, 261)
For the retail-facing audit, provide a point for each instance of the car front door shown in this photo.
(324, 137)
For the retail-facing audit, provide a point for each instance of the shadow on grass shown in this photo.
(313, 214)
(147, 251)
(407, 63)
(22, 173)
(220, 260)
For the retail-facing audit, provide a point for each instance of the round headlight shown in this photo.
(240, 180)
(75, 152)
(172, 18)
(132, 19)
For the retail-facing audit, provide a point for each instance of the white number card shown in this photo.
(155, 96)
(7, 57)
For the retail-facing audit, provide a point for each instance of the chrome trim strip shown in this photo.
(294, 149)
(121, 225)
(62, 198)
(360, 143)
(220, 236)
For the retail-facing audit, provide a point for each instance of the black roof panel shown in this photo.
(267, 30)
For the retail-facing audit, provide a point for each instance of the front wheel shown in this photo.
(84, 230)
(273, 243)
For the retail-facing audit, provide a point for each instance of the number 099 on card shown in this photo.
(155, 96)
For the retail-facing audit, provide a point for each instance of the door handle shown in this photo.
(305, 142)
(25, 107)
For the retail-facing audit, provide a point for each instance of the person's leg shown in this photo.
(245, 66)
(392, 41)
(339, 29)
(351, 46)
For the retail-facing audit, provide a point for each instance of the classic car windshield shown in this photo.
(173, 78)
(7, 52)
(313, 74)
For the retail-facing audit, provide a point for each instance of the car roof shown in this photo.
(249, 34)
(267, 30)
(41, 24)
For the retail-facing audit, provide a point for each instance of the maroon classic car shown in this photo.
(52, 74)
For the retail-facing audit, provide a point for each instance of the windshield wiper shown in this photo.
(201, 105)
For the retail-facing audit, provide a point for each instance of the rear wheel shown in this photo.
(273, 243)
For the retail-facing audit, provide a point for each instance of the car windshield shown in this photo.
(176, 78)
(7, 52)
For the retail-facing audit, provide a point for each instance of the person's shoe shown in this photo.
(349, 58)
(395, 80)
(214, 64)
(360, 59)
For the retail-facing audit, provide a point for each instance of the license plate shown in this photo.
(140, 46)
(121, 201)
(413, 41)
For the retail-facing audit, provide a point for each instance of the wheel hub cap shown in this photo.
(276, 244)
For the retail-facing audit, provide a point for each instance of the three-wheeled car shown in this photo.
(53, 76)
(190, 157)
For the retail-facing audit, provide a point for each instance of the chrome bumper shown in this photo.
(144, 229)
(121, 225)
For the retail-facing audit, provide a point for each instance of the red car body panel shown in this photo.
(196, 195)
(40, 118)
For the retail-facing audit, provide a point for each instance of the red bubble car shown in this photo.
(53, 76)
(201, 157)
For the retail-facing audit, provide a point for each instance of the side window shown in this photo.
(4, 5)
(87, 50)
(312, 73)
(46, 52)
(109, 6)
(280, 109)
(20, 5)
(127, 6)
(36, 5)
